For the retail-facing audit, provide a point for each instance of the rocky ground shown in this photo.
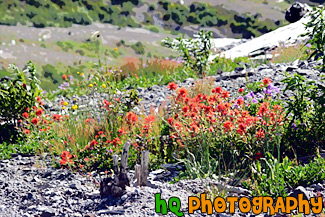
(30, 186)
(155, 96)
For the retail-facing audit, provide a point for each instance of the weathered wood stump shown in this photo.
(141, 171)
(116, 186)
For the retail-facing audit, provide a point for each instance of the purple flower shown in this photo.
(250, 95)
(273, 88)
(167, 58)
(294, 126)
(254, 100)
(260, 95)
(308, 45)
(98, 118)
(144, 65)
(267, 91)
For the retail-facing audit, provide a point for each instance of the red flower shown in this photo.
(240, 101)
(170, 121)
(100, 132)
(150, 119)
(35, 121)
(240, 90)
(260, 134)
(266, 81)
(225, 94)
(92, 143)
(38, 99)
(39, 112)
(107, 103)
(27, 131)
(241, 129)
(65, 158)
(116, 141)
(56, 117)
(121, 131)
(182, 92)
(228, 126)
(217, 90)
(24, 85)
(81, 166)
(258, 156)
(131, 118)
(25, 115)
(64, 77)
(172, 86)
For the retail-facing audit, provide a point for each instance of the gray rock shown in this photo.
(296, 12)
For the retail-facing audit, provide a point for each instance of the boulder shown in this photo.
(296, 12)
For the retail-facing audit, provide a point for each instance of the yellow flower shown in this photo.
(90, 85)
(115, 49)
(74, 107)
(74, 99)
(104, 85)
(78, 73)
(95, 83)
(63, 107)
(107, 82)
(65, 103)
(81, 74)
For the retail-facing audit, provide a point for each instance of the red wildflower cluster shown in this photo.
(107, 104)
(131, 118)
(172, 86)
(25, 115)
(39, 112)
(221, 116)
(35, 121)
(57, 117)
(266, 81)
(65, 158)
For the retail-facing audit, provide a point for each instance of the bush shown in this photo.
(17, 96)
(316, 34)
(138, 48)
(195, 52)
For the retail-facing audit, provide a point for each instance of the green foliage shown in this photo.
(273, 178)
(316, 34)
(214, 16)
(195, 52)
(65, 13)
(18, 94)
(305, 111)
(138, 48)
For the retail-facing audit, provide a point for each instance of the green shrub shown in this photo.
(138, 48)
(195, 52)
(275, 179)
(306, 115)
(154, 29)
(18, 94)
(316, 34)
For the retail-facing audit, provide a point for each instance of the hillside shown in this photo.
(226, 20)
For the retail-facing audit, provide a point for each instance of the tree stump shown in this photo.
(116, 186)
(141, 171)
